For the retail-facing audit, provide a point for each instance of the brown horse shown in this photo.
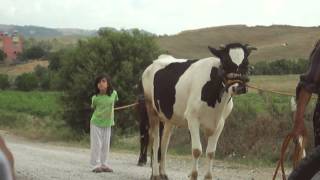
(6, 162)
(309, 83)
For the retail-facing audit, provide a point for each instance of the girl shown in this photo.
(100, 124)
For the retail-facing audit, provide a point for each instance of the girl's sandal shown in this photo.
(97, 170)
(106, 169)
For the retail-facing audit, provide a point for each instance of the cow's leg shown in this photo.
(155, 147)
(194, 125)
(154, 133)
(164, 147)
(213, 137)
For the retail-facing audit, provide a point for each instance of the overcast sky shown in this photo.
(158, 16)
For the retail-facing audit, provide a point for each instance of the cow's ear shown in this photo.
(214, 51)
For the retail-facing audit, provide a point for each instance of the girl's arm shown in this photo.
(93, 104)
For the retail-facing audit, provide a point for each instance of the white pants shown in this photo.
(100, 145)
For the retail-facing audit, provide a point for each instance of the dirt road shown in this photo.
(45, 161)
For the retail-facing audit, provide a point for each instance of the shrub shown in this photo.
(4, 81)
(27, 82)
(279, 67)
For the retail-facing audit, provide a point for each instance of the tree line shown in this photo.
(280, 67)
(123, 55)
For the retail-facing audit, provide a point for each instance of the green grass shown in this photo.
(253, 132)
(34, 103)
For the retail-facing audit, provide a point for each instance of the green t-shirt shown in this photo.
(103, 105)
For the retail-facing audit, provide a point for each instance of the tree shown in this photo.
(2, 56)
(43, 77)
(55, 60)
(34, 52)
(121, 54)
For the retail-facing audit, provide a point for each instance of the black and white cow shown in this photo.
(144, 131)
(193, 93)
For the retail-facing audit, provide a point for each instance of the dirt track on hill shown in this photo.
(45, 161)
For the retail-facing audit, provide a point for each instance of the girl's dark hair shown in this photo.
(98, 79)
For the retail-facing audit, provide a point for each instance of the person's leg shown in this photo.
(316, 123)
(105, 150)
(95, 146)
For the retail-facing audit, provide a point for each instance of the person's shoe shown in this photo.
(97, 170)
(106, 169)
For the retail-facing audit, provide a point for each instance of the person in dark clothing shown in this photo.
(309, 84)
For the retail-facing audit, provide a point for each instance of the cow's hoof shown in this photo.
(155, 178)
(193, 175)
(164, 177)
(208, 176)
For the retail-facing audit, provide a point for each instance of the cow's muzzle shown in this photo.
(237, 82)
(240, 89)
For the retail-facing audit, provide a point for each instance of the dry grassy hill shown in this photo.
(16, 70)
(269, 40)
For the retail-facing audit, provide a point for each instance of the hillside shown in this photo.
(16, 70)
(270, 41)
(273, 42)
(44, 32)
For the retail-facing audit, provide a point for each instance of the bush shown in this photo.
(280, 67)
(55, 60)
(27, 82)
(4, 81)
(34, 52)
(121, 54)
(43, 76)
(40, 71)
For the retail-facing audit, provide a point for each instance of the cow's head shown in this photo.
(234, 66)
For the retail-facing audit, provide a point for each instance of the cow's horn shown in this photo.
(250, 48)
(222, 46)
